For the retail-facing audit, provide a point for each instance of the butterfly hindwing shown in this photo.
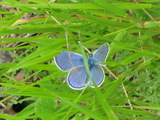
(68, 60)
(101, 54)
(77, 78)
(97, 75)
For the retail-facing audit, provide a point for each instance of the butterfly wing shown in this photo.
(101, 54)
(77, 78)
(68, 60)
(97, 75)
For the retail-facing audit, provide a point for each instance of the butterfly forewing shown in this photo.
(101, 54)
(68, 60)
(97, 75)
(77, 78)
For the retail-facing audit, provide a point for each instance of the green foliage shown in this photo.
(35, 31)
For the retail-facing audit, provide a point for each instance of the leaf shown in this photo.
(133, 57)
(127, 5)
(45, 107)
(110, 7)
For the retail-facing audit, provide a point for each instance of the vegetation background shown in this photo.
(32, 32)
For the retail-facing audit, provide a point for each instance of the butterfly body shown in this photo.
(77, 77)
(91, 62)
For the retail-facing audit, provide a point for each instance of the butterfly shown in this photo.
(73, 62)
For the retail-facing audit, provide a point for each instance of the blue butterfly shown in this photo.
(77, 77)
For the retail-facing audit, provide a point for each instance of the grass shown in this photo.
(35, 31)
